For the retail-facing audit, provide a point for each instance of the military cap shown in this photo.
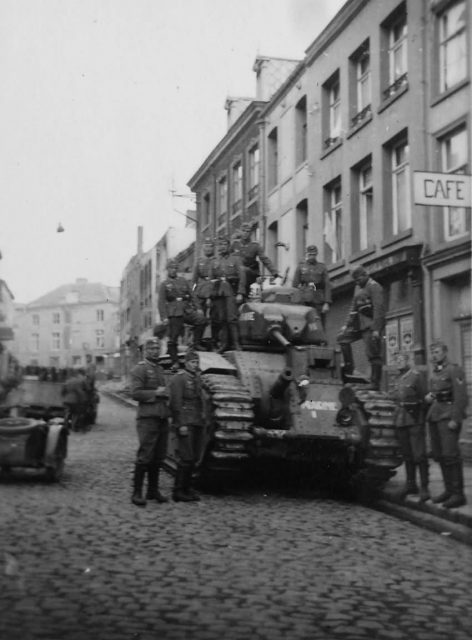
(190, 354)
(359, 271)
(312, 249)
(223, 240)
(438, 343)
(152, 342)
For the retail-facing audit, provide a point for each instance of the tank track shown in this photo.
(228, 406)
(382, 452)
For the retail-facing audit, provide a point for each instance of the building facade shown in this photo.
(64, 326)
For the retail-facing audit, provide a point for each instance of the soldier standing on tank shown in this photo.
(148, 387)
(448, 400)
(409, 419)
(203, 277)
(186, 408)
(366, 321)
(251, 254)
(228, 293)
(176, 308)
(312, 278)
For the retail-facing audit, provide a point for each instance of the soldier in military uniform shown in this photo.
(148, 387)
(409, 420)
(366, 321)
(228, 293)
(251, 253)
(448, 400)
(203, 277)
(312, 278)
(176, 308)
(187, 418)
(74, 397)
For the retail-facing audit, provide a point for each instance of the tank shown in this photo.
(283, 397)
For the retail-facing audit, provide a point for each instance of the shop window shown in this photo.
(399, 336)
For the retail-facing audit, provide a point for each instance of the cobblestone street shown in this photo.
(80, 562)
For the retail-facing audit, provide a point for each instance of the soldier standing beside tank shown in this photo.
(203, 275)
(228, 294)
(409, 420)
(366, 321)
(251, 253)
(312, 278)
(175, 304)
(187, 417)
(148, 387)
(448, 400)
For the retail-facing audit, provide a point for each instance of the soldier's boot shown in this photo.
(234, 331)
(138, 481)
(375, 376)
(457, 498)
(348, 367)
(172, 351)
(179, 493)
(224, 339)
(446, 494)
(153, 492)
(198, 332)
(188, 482)
(424, 481)
(410, 488)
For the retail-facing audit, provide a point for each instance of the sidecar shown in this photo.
(34, 444)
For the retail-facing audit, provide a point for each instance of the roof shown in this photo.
(79, 292)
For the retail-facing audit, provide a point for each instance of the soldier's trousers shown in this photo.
(190, 443)
(412, 441)
(373, 346)
(153, 434)
(176, 329)
(444, 442)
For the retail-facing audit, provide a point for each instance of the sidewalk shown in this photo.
(456, 523)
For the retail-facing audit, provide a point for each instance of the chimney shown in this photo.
(235, 107)
(140, 240)
(271, 73)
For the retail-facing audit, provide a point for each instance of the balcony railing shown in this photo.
(399, 83)
(329, 142)
(236, 208)
(362, 115)
(253, 192)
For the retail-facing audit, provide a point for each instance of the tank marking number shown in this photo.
(320, 405)
(248, 316)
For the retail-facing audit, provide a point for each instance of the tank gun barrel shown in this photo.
(276, 333)
(280, 385)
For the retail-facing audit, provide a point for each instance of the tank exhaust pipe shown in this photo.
(280, 385)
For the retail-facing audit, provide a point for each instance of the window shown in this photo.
(56, 318)
(34, 342)
(237, 177)
(300, 131)
(100, 315)
(396, 32)
(206, 211)
(222, 196)
(100, 338)
(362, 89)
(332, 90)
(56, 341)
(452, 46)
(35, 319)
(272, 159)
(254, 160)
(401, 200)
(333, 229)
(366, 194)
(76, 360)
(454, 160)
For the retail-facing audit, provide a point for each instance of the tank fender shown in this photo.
(55, 431)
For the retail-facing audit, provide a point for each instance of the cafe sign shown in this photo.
(442, 189)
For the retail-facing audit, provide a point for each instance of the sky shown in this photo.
(106, 107)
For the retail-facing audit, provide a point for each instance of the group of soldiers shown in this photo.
(80, 398)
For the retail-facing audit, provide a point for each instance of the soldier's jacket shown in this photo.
(74, 390)
(175, 294)
(408, 394)
(186, 399)
(447, 383)
(250, 252)
(308, 273)
(368, 306)
(203, 274)
(146, 376)
(230, 268)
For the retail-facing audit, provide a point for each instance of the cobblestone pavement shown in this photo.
(78, 561)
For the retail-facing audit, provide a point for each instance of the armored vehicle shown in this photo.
(283, 397)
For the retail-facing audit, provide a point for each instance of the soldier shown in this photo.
(409, 418)
(176, 308)
(366, 320)
(251, 252)
(187, 416)
(203, 276)
(74, 397)
(448, 400)
(148, 387)
(228, 294)
(312, 278)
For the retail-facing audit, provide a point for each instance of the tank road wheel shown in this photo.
(54, 471)
(229, 417)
